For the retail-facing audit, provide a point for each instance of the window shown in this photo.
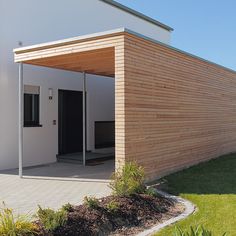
(31, 106)
(104, 134)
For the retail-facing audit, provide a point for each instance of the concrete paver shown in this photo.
(24, 195)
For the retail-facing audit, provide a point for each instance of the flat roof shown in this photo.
(138, 14)
(69, 40)
(114, 32)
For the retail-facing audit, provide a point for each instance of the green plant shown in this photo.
(50, 219)
(152, 192)
(198, 231)
(67, 207)
(91, 202)
(11, 225)
(113, 206)
(128, 180)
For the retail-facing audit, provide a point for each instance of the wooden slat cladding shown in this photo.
(119, 105)
(172, 110)
(179, 110)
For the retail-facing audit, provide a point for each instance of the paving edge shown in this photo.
(189, 209)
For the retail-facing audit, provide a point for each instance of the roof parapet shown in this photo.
(138, 14)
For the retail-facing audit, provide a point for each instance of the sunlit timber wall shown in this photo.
(119, 104)
(179, 110)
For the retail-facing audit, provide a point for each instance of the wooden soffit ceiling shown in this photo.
(98, 62)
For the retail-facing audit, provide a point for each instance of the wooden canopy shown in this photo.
(93, 54)
(99, 54)
(172, 109)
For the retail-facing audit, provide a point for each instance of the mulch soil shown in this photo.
(134, 214)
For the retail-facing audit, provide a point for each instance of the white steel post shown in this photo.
(20, 120)
(84, 118)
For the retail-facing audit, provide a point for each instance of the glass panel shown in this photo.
(104, 134)
(31, 109)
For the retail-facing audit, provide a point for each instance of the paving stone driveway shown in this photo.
(24, 195)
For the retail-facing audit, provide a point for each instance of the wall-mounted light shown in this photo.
(50, 93)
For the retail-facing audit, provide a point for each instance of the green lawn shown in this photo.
(211, 187)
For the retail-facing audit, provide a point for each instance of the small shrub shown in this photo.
(113, 206)
(50, 219)
(91, 202)
(11, 225)
(67, 207)
(198, 231)
(129, 180)
(152, 192)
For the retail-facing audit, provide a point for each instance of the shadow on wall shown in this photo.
(214, 177)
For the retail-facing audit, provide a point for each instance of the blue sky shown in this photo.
(206, 28)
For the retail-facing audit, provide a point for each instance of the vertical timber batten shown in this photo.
(20, 120)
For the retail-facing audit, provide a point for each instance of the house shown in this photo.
(30, 22)
(171, 109)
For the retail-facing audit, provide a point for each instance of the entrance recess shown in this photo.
(70, 121)
(97, 54)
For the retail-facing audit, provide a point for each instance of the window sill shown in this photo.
(29, 126)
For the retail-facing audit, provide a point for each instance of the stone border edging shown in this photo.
(189, 209)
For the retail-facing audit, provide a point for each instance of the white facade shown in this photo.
(32, 22)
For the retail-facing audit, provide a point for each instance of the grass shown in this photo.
(211, 187)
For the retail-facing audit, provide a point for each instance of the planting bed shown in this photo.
(131, 215)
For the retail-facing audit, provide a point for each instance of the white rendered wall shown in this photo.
(32, 22)
(41, 143)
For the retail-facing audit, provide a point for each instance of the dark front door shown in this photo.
(70, 121)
